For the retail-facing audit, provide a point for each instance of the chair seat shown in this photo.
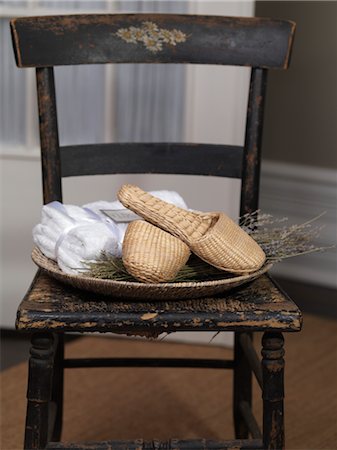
(260, 305)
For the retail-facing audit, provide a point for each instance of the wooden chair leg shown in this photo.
(242, 390)
(39, 390)
(57, 389)
(273, 390)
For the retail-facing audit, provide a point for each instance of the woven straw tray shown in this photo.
(153, 291)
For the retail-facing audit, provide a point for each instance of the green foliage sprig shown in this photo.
(111, 268)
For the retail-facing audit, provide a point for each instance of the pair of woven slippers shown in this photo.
(156, 249)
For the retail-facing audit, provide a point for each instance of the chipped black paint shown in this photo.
(172, 444)
(258, 306)
(168, 158)
(92, 39)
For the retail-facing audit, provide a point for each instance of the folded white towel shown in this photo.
(56, 220)
(168, 196)
(73, 235)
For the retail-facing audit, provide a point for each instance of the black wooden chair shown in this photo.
(51, 309)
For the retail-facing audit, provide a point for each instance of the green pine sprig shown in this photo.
(111, 268)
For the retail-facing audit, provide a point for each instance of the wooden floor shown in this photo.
(182, 403)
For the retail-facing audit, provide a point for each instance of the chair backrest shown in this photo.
(44, 42)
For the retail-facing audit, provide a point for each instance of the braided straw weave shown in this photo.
(214, 237)
(151, 255)
(136, 291)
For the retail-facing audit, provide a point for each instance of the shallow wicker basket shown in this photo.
(138, 291)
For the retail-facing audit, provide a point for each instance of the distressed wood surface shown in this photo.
(253, 139)
(75, 363)
(49, 138)
(39, 391)
(172, 444)
(246, 343)
(242, 387)
(57, 388)
(92, 39)
(273, 390)
(250, 420)
(191, 159)
(50, 305)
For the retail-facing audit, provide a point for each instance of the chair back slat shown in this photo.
(164, 158)
(151, 38)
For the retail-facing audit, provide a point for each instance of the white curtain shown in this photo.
(148, 101)
(12, 92)
(150, 98)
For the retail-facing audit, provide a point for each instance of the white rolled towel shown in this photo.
(55, 219)
(73, 235)
(85, 243)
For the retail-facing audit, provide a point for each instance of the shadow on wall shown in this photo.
(301, 107)
(299, 178)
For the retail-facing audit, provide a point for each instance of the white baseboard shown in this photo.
(301, 193)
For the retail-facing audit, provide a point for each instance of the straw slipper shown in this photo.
(151, 255)
(214, 237)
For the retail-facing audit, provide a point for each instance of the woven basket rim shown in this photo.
(134, 289)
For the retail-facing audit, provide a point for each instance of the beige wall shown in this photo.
(301, 109)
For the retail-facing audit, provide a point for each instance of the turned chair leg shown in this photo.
(273, 390)
(242, 390)
(39, 390)
(57, 388)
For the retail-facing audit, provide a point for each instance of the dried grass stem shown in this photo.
(278, 243)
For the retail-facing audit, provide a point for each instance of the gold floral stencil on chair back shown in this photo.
(151, 36)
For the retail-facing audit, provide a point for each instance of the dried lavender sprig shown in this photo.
(255, 220)
(282, 242)
(278, 243)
